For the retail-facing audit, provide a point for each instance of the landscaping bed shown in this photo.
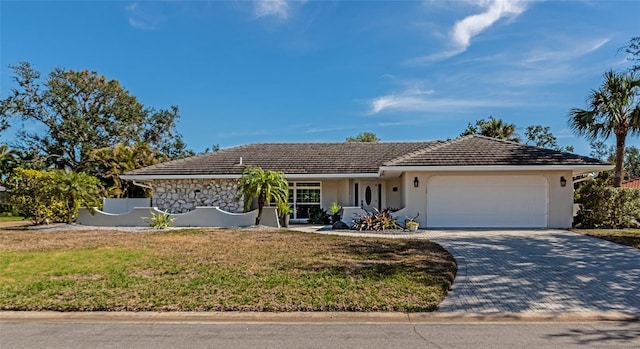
(218, 270)
(629, 237)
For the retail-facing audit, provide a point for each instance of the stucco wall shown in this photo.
(335, 190)
(560, 198)
(393, 198)
(179, 195)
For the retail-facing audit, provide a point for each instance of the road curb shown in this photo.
(311, 317)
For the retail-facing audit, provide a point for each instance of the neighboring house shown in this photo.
(631, 183)
(473, 181)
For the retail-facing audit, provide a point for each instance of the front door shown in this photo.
(370, 193)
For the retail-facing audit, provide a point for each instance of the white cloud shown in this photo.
(421, 101)
(571, 51)
(467, 28)
(548, 65)
(141, 19)
(327, 129)
(276, 8)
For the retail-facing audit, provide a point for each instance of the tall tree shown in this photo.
(632, 162)
(265, 186)
(109, 164)
(492, 127)
(631, 167)
(367, 137)
(601, 151)
(541, 137)
(80, 111)
(633, 50)
(613, 109)
(9, 159)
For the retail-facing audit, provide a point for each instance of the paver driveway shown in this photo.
(540, 271)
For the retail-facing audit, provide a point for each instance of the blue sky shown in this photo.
(302, 71)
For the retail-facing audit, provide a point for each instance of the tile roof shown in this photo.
(291, 158)
(485, 151)
(364, 158)
(631, 183)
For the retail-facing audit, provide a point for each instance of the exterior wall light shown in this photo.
(563, 181)
(416, 182)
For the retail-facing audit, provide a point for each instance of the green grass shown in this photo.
(11, 218)
(629, 237)
(219, 270)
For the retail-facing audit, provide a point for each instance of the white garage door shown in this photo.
(487, 201)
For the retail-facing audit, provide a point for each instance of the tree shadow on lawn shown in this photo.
(382, 258)
(542, 272)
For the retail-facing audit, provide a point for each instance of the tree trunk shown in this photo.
(617, 174)
(260, 206)
(70, 204)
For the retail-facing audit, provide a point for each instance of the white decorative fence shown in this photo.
(124, 205)
(199, 217)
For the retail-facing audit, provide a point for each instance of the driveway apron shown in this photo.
(540, 271)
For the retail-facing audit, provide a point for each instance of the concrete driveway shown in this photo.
(538, 271)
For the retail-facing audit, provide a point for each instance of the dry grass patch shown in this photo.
(218, 270)
(629, 237)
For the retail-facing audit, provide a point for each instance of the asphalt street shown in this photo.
(28, 334)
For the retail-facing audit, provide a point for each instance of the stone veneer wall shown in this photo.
(178, 195)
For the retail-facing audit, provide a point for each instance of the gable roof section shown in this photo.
(291, 158)
(485, 151)
(369, 159)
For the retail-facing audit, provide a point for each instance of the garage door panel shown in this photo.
(487, 201)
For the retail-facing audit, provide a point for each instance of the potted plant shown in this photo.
(411, 224)
(284, 211)
(334, 209)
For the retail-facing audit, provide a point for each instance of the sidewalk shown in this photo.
(308, 317)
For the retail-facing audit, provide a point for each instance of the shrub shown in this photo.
(33, 195)
(160, 220)
(317, 215)
(335, 208)
(607, 207)
(54, 196)
(375, 221)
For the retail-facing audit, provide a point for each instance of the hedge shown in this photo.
(607, 207)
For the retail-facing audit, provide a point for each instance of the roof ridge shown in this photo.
(506, 141)
(439, 145)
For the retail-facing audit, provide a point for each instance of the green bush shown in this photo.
(318, 215)
(55, 196)
(607, 207)
(161, 220)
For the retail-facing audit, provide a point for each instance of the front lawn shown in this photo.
(10, 218)
(629, 237)
(219, 270)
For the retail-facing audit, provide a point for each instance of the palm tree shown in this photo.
(494, 128)
(265, 186)
(111, 163)
(613, 108)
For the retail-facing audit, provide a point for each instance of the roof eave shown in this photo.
(237, 176)
(576, 169)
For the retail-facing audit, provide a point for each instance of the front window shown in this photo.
(304, 196)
